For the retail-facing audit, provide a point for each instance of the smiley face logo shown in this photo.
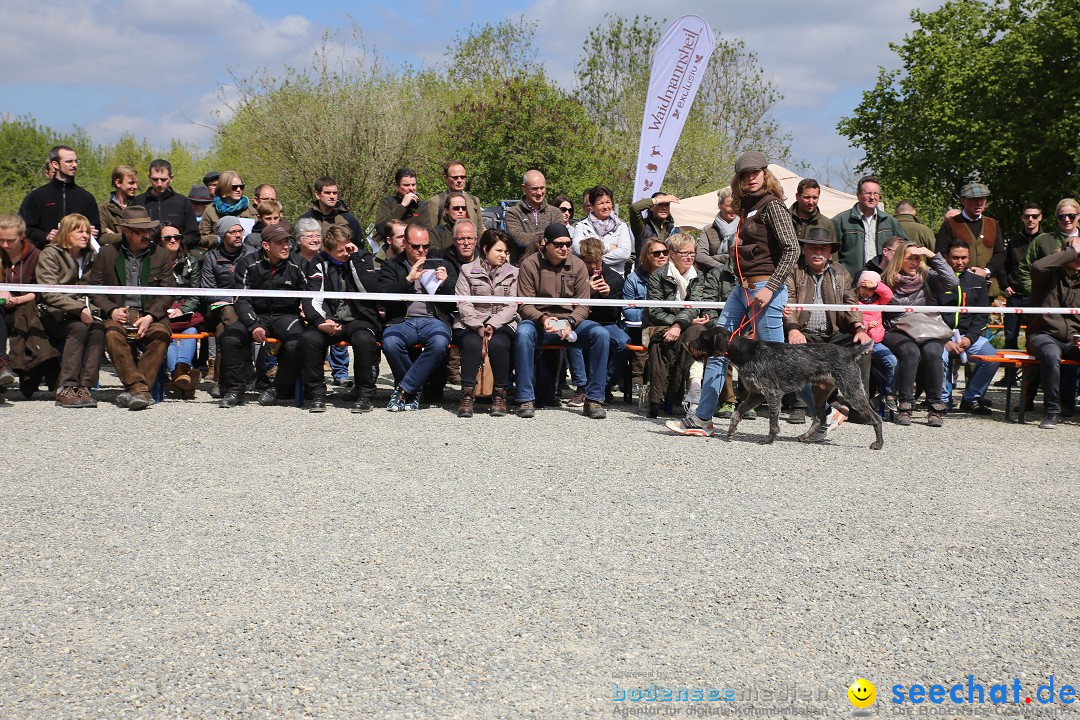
(862, 693)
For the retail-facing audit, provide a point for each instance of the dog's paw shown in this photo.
(767, 440)
(876, 445)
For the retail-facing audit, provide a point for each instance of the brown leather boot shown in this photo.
(196, 378)
(453, 367)
(121, 355)
(182, 378)
(498, 402)
(7, 377)
(155, 345)
(465, 409)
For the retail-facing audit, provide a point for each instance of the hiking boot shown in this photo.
(181, 378)
(269, 396)
(88, 400)
(362, 405)
(1049, 422)
(7, 377)
(594, 410)
(890, 403)
(498, 403)
(936, 417)
(124, 399)
(726, 410)
(797, 416)
(140, 401)
(318, 404)
(527, 409)
(69, 398)
(577, 399)
(397, 400)
(465, 407)
(691, 425)
(903, 415)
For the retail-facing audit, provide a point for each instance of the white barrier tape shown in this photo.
(412, 297)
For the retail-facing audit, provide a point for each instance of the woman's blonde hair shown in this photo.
(772, 187)
(896, 264)
(680, 240)
(68, 225)
(225, 182)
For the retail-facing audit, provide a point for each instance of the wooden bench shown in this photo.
(1023, 362)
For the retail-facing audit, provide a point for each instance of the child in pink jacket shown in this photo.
(871, 291)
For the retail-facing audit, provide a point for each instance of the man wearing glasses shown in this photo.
(455, 177)
(982, 233)
(1049, 243)
(417, 322)
(1015, 295)
(553, 272)
(863, 230)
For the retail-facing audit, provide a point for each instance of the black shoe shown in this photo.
(975, 408)
(318, 404)
(797, 416)
(124, 399)
(362, 405)
(230, 399)
(654, 410)
(1049, 422)
(750, 415)
(269, 396)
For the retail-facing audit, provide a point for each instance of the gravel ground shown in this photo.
(188, 561)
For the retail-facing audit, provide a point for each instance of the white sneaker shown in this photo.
(833, 420)
(693, 397)
(691, 425)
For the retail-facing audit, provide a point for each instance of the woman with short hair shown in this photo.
(602, 223)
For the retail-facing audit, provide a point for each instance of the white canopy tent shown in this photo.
(699, 211)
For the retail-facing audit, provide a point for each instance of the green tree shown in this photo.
(986, 90)
(731, 113)
(345, 116)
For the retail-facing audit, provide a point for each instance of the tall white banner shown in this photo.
(678, 64)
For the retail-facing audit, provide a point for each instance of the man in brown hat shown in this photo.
(818, 280)
(986, 244)
(132, 319)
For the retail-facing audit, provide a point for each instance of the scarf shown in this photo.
(224, 209)
(603, 227)
(682, 282)
(907, 284)
(727, 231)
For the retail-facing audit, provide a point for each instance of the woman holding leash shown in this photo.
(766, 250)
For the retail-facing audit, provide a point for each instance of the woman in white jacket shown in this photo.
(603, 224)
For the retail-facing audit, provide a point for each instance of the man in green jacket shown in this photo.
(1068, 219)
(862, 230)
(916, 231)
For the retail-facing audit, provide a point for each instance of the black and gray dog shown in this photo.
(768, 370)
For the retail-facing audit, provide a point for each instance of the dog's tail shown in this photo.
(859, 350)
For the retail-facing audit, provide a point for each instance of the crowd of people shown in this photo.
(760, 257)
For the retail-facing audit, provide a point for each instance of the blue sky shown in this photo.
(155, 68)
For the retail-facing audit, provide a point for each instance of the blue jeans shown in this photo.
(339, 362)
(980, 380)
(182, 351)
(430, 332)
(618, 356)
(768, 324)
(591, 336)
(883, 367)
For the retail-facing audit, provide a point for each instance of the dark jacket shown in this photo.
(393, 278)
(1051, 286)
(155, 271)
(851, 233)
(648, 228)
(390, 208)
(663, 287)
(339, 215)
(219, 271)
(970, 291)
(916, 231)
(1042, 246)
(603, 314)
(256, 273)
(450, 255)
(174, 208)
(939, 279)
(44, 207)
(351, 276)
(817, 220)
(1015, 250)
(110, 213)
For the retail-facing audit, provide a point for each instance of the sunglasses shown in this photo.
(1068, 217)
(238, 187)
(659, 253)
(457, 177)
(459, 208)
(1030, 216)
(562, 245)
(567, 209)
(420, 247)
(170, 238)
